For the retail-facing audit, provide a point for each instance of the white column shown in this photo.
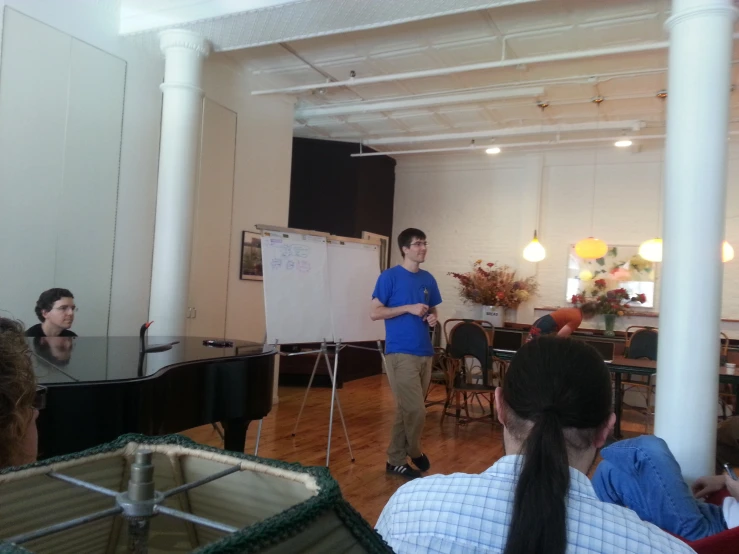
(699, 75)
(182, 112)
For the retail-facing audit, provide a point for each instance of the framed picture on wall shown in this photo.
(384, 250)
(251, 256)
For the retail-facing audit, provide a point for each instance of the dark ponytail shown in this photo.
(553, 385)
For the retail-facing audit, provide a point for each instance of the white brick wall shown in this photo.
(474, 206)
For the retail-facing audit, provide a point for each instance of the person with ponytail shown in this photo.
(555, 409)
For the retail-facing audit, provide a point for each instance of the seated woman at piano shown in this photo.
(55, 310)
(562, 322)
(18, 434)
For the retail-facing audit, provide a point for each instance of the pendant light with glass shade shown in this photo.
(592, 248)
(651, 250)
(534, 251)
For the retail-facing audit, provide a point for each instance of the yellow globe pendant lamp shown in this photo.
(591, 248)
(727, 252)
(534, 251)
(651, 250)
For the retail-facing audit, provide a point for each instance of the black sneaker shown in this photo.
(405, 470)
(422, 462)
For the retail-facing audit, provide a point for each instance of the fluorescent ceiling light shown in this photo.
(492, 150)
(624, 143)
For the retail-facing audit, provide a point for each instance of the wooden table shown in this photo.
(620, 365)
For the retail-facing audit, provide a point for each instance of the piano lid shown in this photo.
(59, 360)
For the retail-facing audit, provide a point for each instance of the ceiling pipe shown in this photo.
(633, 125)
(501, 146)
(301, 114)
(522, 145)
(417, 102)
(546, 58)
(422, 74)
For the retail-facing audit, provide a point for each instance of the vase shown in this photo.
(610, 320)
(494, 314)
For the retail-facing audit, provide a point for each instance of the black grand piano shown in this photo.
(98, 388)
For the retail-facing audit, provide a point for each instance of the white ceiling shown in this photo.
(236, 24)
(141, 15)
(628, 81)
(497, 104)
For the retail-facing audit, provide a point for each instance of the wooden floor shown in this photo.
(369, 409)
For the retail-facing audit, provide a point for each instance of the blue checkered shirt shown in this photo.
(461, 513)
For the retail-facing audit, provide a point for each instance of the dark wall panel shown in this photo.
(332, 192)
(335, 193)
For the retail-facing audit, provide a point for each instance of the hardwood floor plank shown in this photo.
(369, 410)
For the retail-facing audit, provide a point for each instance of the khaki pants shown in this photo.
(409, 378)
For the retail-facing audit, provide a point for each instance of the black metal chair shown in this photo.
(469, 348)
(641, 343)
(439, 377)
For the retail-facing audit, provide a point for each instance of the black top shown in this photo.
(38, 331)
(89, 359)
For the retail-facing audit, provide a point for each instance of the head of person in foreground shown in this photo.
(18, 434)
(555, 408)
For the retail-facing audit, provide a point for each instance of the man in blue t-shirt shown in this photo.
(406, 298)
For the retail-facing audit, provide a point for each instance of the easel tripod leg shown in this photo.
(310, 382)
(334, 375)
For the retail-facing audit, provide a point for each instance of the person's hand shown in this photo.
(418, 309)
(703, 486)
(732, 486)
(432, 319)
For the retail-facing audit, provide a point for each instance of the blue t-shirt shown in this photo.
(407, 333)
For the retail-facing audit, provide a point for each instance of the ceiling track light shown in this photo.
(623, 142)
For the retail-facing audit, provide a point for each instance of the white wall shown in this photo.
(262, 172)
(477, 207)
(96, 23)
(261, 181)
(261, 191)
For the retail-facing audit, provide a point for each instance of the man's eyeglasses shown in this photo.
(66, 308)
(419, 243)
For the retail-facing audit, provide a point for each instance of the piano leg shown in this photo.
(234, 434)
